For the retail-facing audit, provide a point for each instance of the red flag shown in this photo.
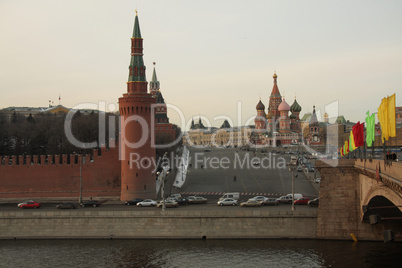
(358, 134)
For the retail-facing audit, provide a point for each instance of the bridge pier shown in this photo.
(347, 185)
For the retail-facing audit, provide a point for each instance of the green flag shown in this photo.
(370, 128)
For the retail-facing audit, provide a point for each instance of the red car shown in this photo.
(302, 201)
(29, 204)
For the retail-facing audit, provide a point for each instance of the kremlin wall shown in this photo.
(57, 177)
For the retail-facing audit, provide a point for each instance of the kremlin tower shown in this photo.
(164, 131)
(137, 153)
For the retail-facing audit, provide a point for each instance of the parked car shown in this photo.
(302, 201)
(91, 203)
(270, 202)
(147, 203)
(285, 199)
(251, 203)
(25, 202)
(182, 201)
(227, 202)
(295, 196)
(169, 203)
(317, 180)
(175, 196)
(314, 203)
(29, 204)
(198, 200)
(67, 206)
(259, 198)
(299, 169)
(134, 201)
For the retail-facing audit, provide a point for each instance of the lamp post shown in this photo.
(292, 168)
(165, 172)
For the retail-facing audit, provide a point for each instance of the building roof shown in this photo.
(159, 98)
(313, 118)
(295, 107)
(226, 124)
(306, 117)
(284, 106)
(275, 89)
(136, 31)
(260, 106)
(137, 66)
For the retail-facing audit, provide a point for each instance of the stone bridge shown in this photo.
(359, 197)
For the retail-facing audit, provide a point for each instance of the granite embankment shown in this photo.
(157, 224)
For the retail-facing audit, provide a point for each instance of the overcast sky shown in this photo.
(210, 55)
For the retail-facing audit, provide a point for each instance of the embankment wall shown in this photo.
(157, 224)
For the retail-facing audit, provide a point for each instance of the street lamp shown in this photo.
(292, 167)
(165, 172)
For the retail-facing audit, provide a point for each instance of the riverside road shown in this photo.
(214, 171)
(225, 170)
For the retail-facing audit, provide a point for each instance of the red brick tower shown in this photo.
(275, 99)
(164, 131)
(137, 154)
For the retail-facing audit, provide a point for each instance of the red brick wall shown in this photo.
(100, 178)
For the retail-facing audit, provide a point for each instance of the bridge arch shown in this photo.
(382, 190)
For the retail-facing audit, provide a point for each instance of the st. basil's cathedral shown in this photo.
(276, 127)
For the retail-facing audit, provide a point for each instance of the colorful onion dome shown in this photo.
(283, 106)
(260, 106)
(295, 107)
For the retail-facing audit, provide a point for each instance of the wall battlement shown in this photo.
(69, 159)
(58, 176)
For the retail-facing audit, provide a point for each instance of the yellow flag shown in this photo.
(391, 116)
(383, 118)
(352, 141)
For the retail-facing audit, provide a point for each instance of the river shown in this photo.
(198, 253)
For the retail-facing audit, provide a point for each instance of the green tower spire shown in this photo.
(136, 32)
(137, 67)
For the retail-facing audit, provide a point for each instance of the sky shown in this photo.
(214, 59)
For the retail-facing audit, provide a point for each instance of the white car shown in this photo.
(259, 198)
(147, 203)
(227, 202)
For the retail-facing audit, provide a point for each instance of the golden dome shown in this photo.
(275, 76)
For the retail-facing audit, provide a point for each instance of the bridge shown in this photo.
(360, 197)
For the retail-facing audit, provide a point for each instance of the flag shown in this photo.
(346, 148)
(370, 129)
(342, 154)
(382, 117)
(358, 134)
(352, 146)
(391, 116)
(386, 116)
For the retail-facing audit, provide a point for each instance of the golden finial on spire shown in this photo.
(136, 12)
